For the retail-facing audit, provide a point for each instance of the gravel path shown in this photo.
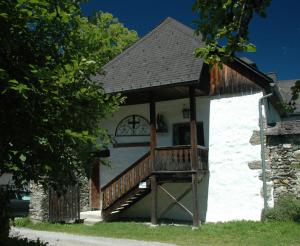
(65, 239)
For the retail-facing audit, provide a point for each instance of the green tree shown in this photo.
(224, 26)
(51, 109)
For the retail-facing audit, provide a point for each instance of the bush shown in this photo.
(286, 209)
(17, 241)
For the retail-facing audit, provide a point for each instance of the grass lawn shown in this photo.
(233, 233)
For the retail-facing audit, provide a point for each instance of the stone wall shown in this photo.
(283, 142)
(84, 193)
(38, 208)
(256, 165)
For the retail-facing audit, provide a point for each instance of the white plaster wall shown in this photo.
(121, 158)
(234, 189)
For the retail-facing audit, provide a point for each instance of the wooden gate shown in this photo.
(64, 207)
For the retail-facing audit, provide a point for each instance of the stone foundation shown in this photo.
(283, 142)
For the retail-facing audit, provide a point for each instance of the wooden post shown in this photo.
(152, 133)
(194, 161)
(193, 130)
(95, 185)
(153, 200)
(152, 158)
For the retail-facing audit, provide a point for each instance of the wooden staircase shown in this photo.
(123, 191)
(171, 164)
(124, 202)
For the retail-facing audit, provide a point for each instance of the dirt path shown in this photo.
(65, 239)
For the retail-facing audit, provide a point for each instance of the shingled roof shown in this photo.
(164, 56)
(285, 92)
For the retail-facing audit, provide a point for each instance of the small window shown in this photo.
(133, 125)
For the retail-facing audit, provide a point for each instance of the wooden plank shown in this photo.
(153, 200)
(195, 200)
(95, 185)
(193, 130)
(152, 132)
(101, 200)
(173, 147)
(194, 161)
(174, 172)
(127, 145)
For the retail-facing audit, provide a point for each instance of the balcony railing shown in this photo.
(178, 158)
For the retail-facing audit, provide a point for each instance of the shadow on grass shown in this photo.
(148, 221)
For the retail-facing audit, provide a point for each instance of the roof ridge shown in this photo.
(183, 28)
(149, 34)
(282, 80)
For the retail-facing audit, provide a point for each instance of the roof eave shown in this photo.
(261, 79)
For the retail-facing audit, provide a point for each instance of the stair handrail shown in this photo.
(126, 170)
(117, 187)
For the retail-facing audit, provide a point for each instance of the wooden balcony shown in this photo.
(178, 159)
(168, 160)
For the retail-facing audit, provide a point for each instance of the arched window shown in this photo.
(133, 125)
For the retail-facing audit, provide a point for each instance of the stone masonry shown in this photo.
(283, 142)
(256, 165)
(84, 193)
(38, 208)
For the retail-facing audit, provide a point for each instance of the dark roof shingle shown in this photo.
(162, 57)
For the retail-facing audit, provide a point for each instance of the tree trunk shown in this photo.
(4, 213)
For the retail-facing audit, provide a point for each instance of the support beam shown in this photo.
(193, 129)
(176, 201)
(194, 159)
(153, 200)
(195, 200)
(152, 158)
(152, 133)
(95, 185)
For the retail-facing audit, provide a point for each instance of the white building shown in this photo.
(181, 149)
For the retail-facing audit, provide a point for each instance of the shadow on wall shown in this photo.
(203, 196)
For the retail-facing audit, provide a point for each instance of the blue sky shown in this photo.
(277, 37)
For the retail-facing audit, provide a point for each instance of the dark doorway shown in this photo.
(181, 134)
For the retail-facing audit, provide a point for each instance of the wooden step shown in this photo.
(124, 202)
